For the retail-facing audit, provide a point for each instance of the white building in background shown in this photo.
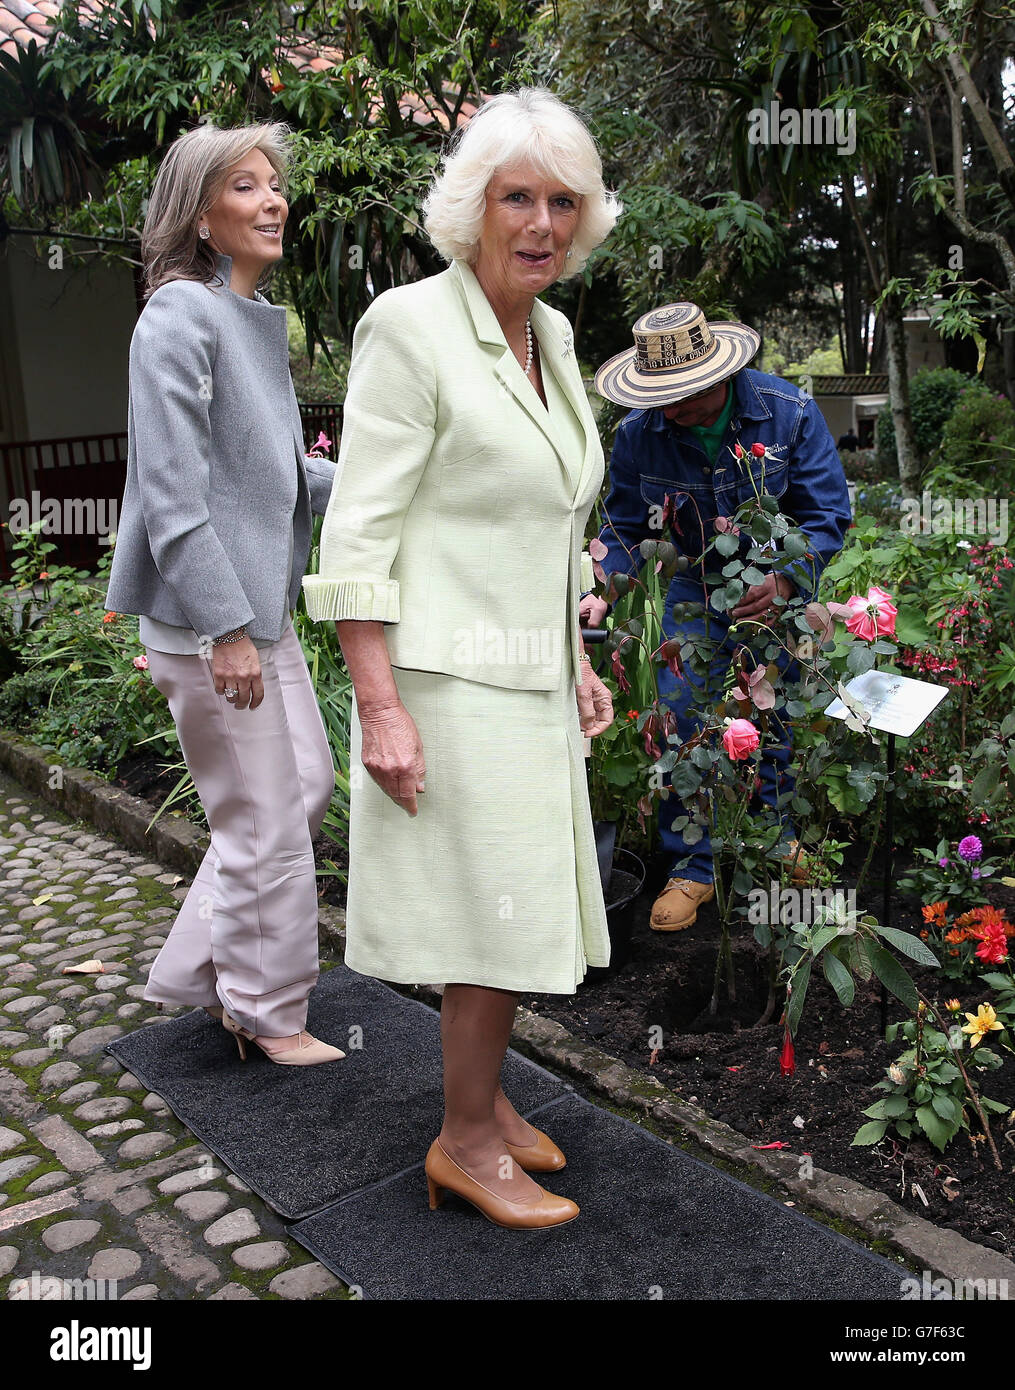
(853, 402)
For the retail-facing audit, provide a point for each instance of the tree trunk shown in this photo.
(898, 388)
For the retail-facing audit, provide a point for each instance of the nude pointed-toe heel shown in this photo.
(306, 1055)
(444, 1175)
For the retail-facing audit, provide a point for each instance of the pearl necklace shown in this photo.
(528, 346)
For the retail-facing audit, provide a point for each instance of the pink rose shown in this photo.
(740, 739)
(141, 662)
(873, 616)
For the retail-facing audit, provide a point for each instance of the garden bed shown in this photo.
(731, 1069)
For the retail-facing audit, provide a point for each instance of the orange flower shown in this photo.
(44, 574)
(956, 936)
(110, 617)
(924, 934)
(934, 913)
(979, 918)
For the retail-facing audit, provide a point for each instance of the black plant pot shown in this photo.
(622, 875)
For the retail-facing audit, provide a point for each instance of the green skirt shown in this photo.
(495, 881)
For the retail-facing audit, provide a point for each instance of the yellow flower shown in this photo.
(953, 1006)
(980, 1024)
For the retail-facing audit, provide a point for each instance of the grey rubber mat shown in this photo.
(654, 1224)
(305, 1137)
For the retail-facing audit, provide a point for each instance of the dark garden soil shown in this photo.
(729, 1066)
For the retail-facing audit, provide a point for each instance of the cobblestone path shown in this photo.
(98, 1179)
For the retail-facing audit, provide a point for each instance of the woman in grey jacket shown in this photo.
(212, 545)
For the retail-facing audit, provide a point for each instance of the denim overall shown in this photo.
(653, 459)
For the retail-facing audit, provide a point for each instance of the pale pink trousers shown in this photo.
(246, 934)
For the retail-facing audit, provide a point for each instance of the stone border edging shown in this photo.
(180, 845)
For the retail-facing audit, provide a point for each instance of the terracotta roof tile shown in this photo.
(10, 24)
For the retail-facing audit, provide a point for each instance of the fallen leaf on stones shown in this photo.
(950, 1187)
(777, 1145)
(42, 898)
(654, 1055)
(799, 1121)
(789, 1204)
(733, 1068)
(87, 967)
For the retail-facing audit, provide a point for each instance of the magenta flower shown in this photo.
(141, 662)
(943, 863)
(322, 442)
(970, 849)
(873, 616)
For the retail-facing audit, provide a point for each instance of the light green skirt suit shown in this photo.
(456, 518)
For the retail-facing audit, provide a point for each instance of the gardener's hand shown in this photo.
(592, 611)
(393, 754)
(595, 704)
(237, 666)
(757, 601)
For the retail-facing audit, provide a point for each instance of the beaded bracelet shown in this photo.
(236, 635)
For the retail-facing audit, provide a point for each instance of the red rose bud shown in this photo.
(738, 451)
(758, 450)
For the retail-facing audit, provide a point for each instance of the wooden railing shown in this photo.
(77, 483)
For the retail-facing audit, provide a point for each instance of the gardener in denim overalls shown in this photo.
(694, 398)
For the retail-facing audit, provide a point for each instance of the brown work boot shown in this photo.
(677, 905)
(802, 868)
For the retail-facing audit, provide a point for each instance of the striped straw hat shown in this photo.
(676, 354)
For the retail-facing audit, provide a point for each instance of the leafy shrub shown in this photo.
(933, 393)
(23, 697)
(980, 431)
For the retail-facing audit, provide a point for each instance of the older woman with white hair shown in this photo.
(213, 541)
(451, 561)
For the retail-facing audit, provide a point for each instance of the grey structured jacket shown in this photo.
(217, 477)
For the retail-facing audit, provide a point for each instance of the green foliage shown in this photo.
(925, 1093)
(22, 696)
(978, 443)
(82, 694)
(933, 394)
